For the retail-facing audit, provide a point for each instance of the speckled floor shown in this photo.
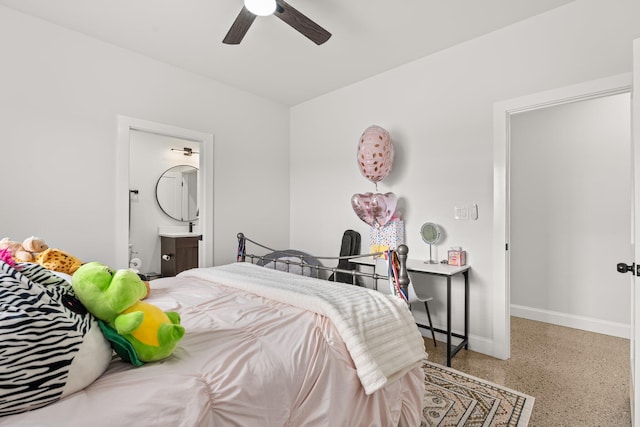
(578, 378)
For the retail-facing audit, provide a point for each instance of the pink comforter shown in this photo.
(244, 361)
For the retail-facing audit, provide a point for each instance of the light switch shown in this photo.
(461, 212)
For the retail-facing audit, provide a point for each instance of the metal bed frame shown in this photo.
(402, 278)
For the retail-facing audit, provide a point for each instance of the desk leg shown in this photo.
(449, 321)
(466, 308)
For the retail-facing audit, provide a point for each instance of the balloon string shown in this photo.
(376, 187)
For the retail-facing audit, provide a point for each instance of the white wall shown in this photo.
(61, 93)
(570, 213)
(439, 112)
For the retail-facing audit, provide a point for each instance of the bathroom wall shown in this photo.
(150, 156)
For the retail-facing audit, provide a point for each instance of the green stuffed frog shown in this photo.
(139, 332)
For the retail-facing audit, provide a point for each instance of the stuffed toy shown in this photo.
(139, 332)
(51, 346)
(6, 256)
(34, 245)
(25, 251)
(57, 260)
(37, 251)
(13, 247)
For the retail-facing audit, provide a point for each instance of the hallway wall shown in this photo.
(570, 214)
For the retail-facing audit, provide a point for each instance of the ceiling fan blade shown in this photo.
(301, 23)
(239, 27)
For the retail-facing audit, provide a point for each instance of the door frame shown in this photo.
(635, 233)
(502, 112)
(205, 184)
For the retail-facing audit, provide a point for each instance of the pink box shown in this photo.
(458, 258)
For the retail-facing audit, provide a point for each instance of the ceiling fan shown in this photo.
(282, 10)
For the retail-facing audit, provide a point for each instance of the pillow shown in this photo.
(51, 346)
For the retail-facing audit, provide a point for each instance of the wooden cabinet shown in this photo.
(178, 254)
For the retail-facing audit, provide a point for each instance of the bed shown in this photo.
(263, 347)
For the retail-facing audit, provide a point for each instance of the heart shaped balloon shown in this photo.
(361, 204)
(383, 207)
(374, 209)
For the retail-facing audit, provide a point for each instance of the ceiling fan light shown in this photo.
(260, 7)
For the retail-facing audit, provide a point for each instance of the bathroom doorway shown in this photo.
(146, 150)
(163, 197)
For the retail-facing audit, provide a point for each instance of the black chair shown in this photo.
(350, 246)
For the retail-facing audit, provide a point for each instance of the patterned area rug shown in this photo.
(453, 398)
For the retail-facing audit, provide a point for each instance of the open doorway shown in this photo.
(503, 113)
(569, 204)
(204, 142)
(163, 192)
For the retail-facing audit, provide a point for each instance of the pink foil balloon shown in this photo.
(374, 209)
(375, 153)
(383, 207)
(361, 204)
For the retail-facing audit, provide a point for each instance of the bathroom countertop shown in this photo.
(178, 231)
(178, 234)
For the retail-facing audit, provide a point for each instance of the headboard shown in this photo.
(299, 262)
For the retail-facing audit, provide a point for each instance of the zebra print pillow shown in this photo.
(50, 347)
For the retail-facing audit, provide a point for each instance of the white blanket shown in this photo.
(378, 329)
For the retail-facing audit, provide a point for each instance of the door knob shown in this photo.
(625, 268)
(167, 257)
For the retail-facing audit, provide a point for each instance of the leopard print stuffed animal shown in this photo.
(57, 260)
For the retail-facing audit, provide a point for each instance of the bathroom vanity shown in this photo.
(179, 252)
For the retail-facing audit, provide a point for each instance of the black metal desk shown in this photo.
(441, 270)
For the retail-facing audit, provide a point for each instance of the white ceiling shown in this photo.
(273, 60)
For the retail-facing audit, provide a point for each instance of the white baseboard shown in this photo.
(591, 324)
(485, 345)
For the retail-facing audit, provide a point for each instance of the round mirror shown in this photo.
(177, 192)
(430, 233)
